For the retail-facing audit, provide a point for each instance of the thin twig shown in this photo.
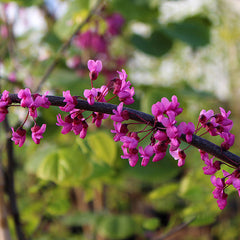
(10, 183)
(4, 229)
(197, 141)
(66, 45)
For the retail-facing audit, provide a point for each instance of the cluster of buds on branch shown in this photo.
(161, 129)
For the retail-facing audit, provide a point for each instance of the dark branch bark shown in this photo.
(10, 183)
(197, 141)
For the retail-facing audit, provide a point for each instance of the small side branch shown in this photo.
(10, 183)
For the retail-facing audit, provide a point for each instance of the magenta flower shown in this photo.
(98, 117)
(120, 130)
(71, 102)
(126, 96)
(161, 136)
(94, 67)
(204, 116)
(228, 140)
(115, 23)
(223, 120)
(119, 115)
(187, 129)
(179, 155)
(160, 149)
(77, 126)
(129, 142)
(37, 132)
(90, 95)
(83, 133)
(26, 97)
(146, 154)
(3, 113)
(66, 124)
(122, 88)
(19, 136)
(83, 40)
(4, 102)
(102, 92)
(132, 155)
(171, 109)
(218, 192)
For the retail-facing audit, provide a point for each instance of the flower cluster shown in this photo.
(32, 102)
(163, 131)
(97, 41)
(218, 125)
(75, 121)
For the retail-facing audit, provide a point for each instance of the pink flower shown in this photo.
(205, 116)
(19, 136)
(94, 67)
(71, 101)
(129, 142)
(115, 22)
(83, 133)
(218, 192)
(171, 109)
(228, 140)
(119, 115)
(66, 124)
(223, 120)
(120, 130)
(4, 102)
(179, 155)
(90, 95)
(160, 149)
(102, 92)
(98, 117)
(122, 88)
(146, 154)
(45, 102)
(132, 155)
(38, 101)
(26, 97)
(37, 132)
(187, 129)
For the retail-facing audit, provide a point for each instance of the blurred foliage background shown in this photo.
(69, 188)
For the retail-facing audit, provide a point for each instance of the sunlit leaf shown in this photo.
(103, 147)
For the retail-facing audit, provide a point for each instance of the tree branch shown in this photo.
(136, 115)
(10, 183)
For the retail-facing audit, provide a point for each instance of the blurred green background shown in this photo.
(69, 188)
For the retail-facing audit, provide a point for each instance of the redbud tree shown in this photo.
(105, 127)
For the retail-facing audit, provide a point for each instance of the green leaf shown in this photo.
(136, 10)
(163, 191)
(116, 226)
(66, 166)
(194, 31)
(151, 223)
(156, 45)
(103, 147)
